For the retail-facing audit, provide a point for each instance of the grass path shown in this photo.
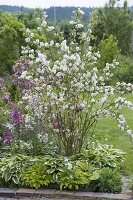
(108, 132)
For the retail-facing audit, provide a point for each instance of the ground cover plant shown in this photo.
(59, 172)
(60, 96)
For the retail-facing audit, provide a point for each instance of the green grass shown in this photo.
(108, 132)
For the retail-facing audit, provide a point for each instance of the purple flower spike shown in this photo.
(7, 136)
(6, 98)
(16, 116)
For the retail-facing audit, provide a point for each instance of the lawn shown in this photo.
(108, 132)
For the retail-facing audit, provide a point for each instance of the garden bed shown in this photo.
(57, 96)
(56, 194)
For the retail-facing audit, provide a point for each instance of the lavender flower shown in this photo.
(7, 136)
(6, 98)
(16, 116)
(18, 69)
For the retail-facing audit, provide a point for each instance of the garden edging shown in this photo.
(52, 193)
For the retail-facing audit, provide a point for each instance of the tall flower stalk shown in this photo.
(16, 117)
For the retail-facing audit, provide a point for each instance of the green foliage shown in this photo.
(110, 181)
(36, 176)
(58, 171)
(124, 72)
(72, 178)
(66, 29)
(108, 50)
(29, 19)
(55, 165)
(11, 40)
(130, 184)
(79, 173)
(105, 156)
(113, 20)
(12, 167)
(101, 155)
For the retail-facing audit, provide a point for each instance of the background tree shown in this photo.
(11, 40)
(114, 20)
(108, 49)
(29, 19)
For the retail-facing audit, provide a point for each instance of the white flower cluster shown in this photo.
(125, 87)
(68, 93)
(121, 122)
(107, 69)
(121, 102)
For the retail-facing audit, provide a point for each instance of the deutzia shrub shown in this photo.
(63, 94)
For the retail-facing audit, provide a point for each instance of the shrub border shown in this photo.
(52, 193)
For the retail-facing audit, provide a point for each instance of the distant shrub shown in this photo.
(108, 49)
(124, 72)
(109, 181)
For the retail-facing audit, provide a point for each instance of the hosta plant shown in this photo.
(78, 173)
(12, 167)
(101, 155)
(36, 176)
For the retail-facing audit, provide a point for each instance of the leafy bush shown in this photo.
(55, 165)
(124, 72)
(79, 173)
(60, 171)
(36, 176)
(108, 49)
(114, 20)
(109, 181)
(12, 167)
(11, 40)
(101, 155)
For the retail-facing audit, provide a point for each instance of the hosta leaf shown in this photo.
(55, 177)
(95, 175)
(7, 177)
(82, 165)
(16, 180)
(61, 169)
(50, 171)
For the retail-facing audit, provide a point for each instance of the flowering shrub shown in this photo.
(63, 94)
